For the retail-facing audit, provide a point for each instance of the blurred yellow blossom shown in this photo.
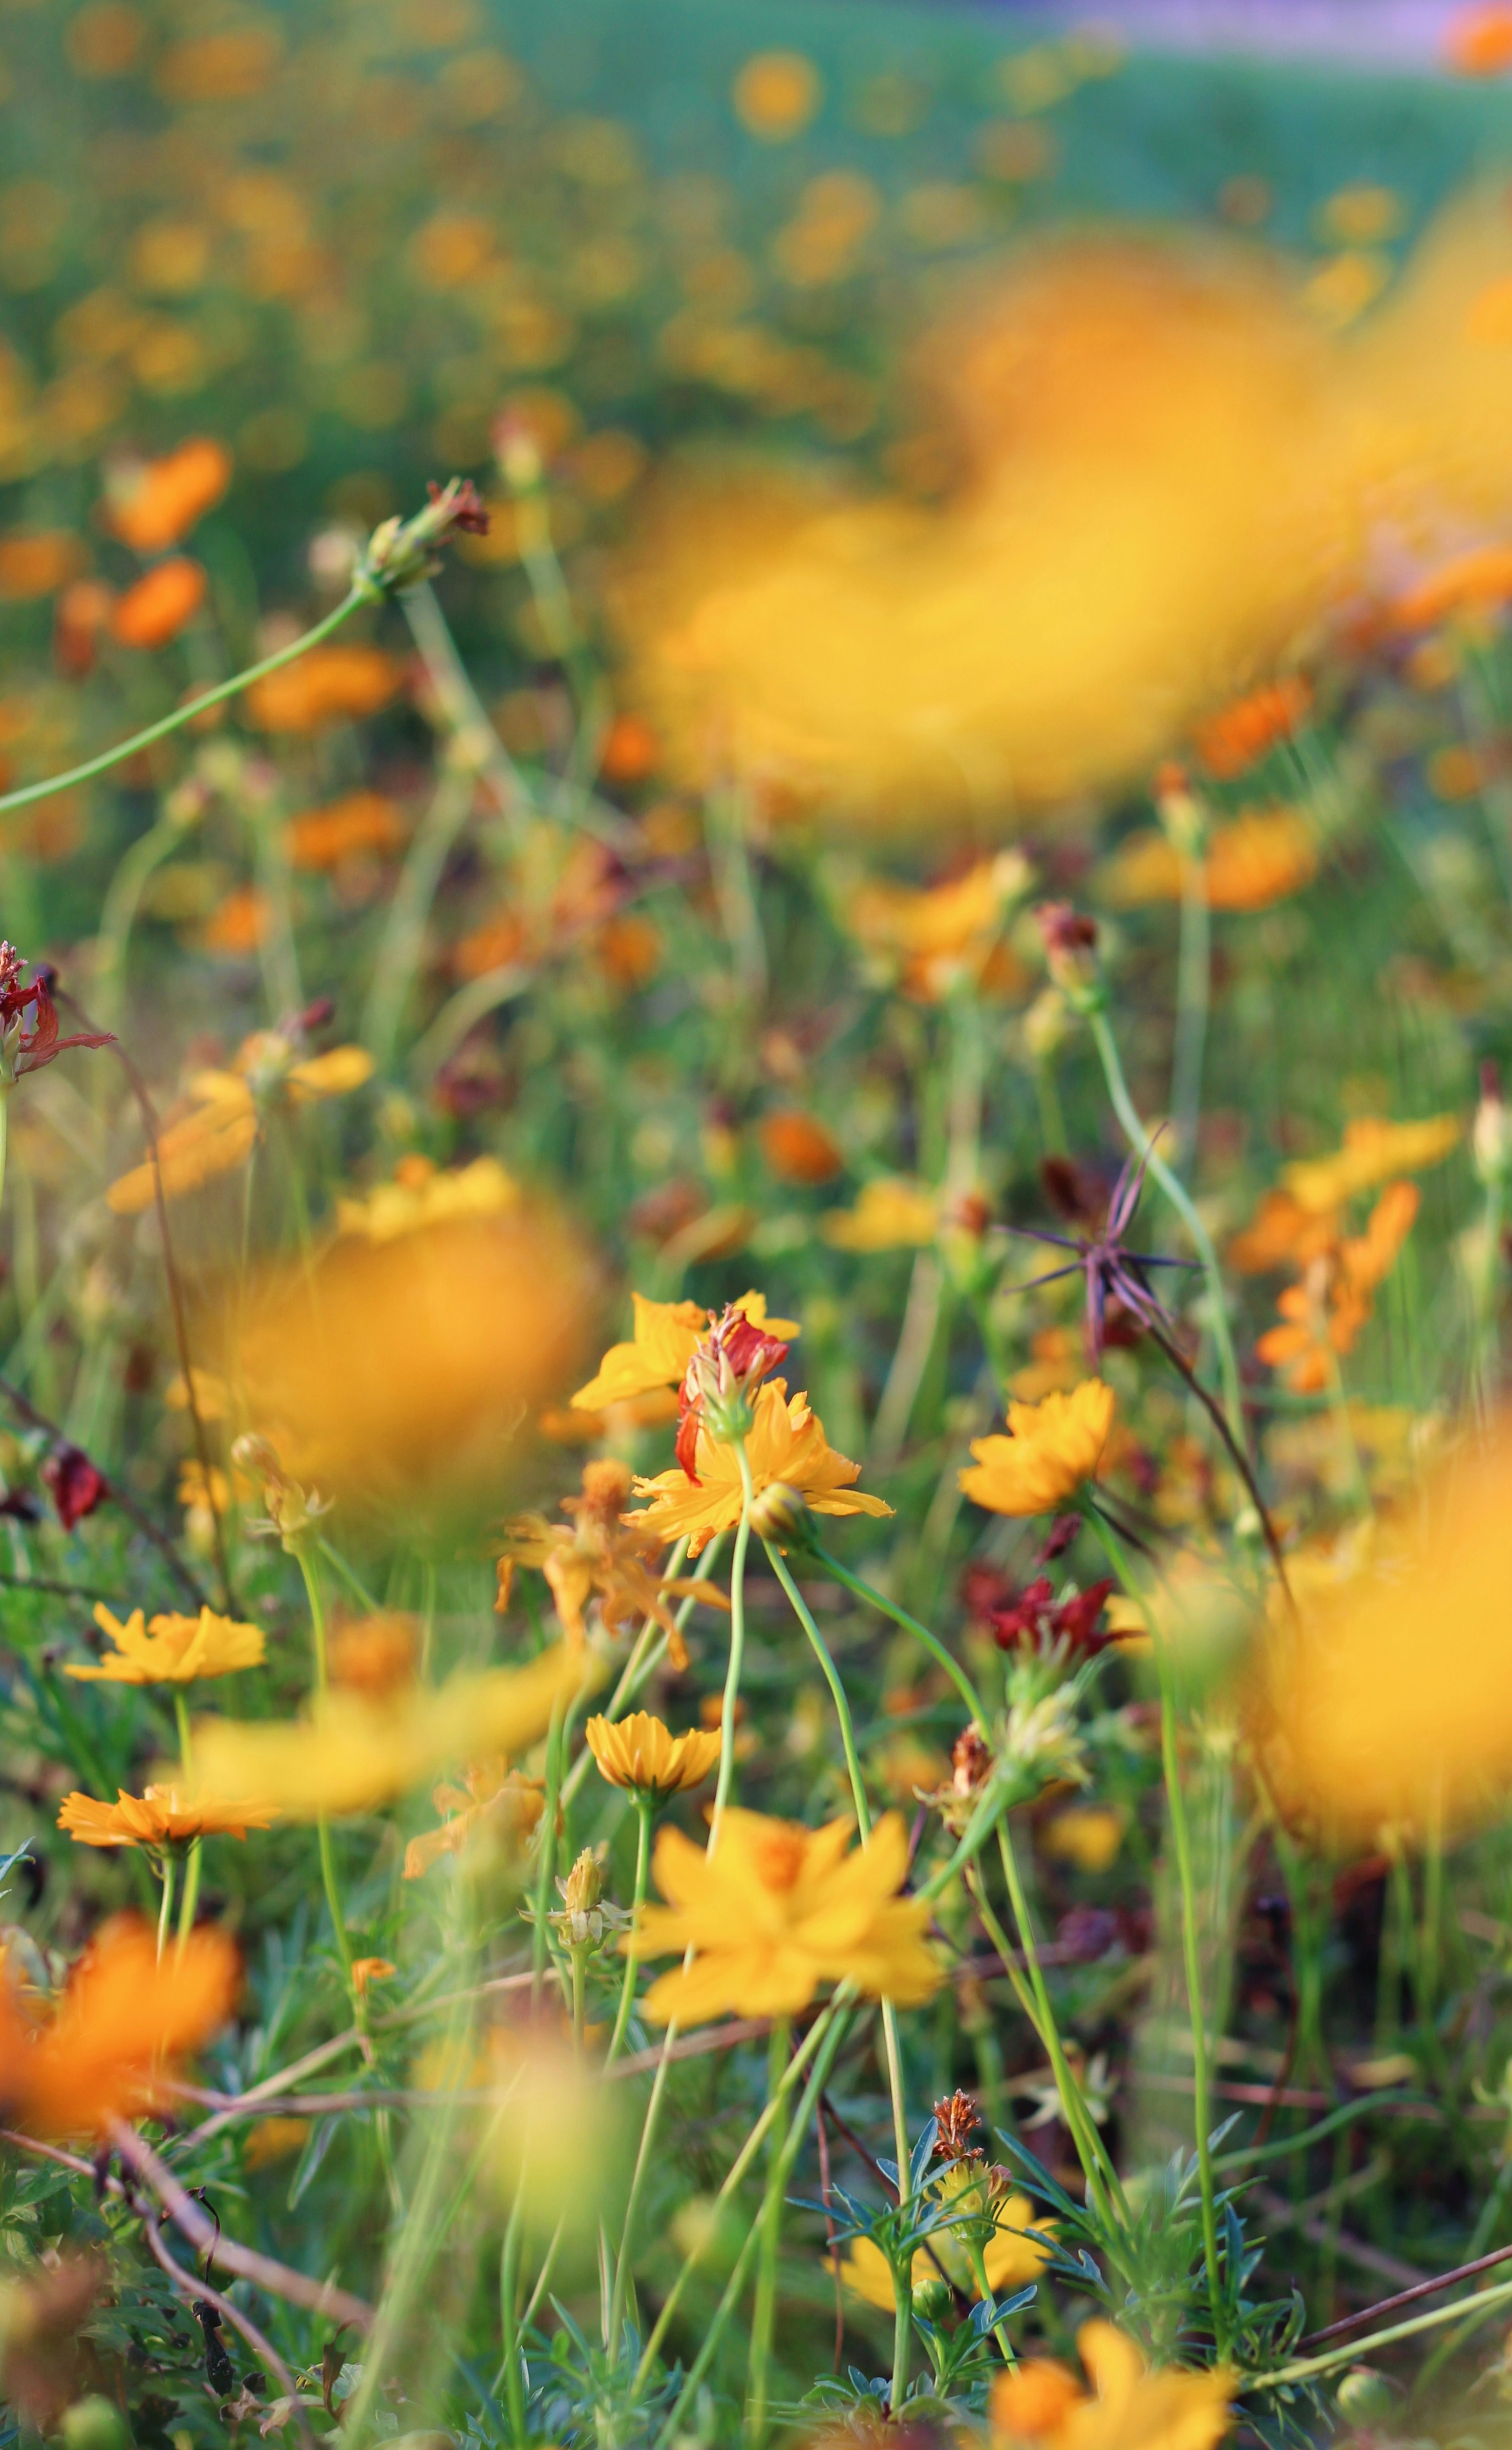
(420, 1194)
(777, 1909)
(1129, 2407)
(1373, 1151)
(890, 1214)
(667, 1336)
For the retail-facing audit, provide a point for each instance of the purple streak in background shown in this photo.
(1387, 33)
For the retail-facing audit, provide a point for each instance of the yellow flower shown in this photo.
(1259, 858)
(778, 1910)
(1373, 1151)
(118, 2035)
(159, 1817)
(419, 1194)
(1128, 2408)
(222, 1129)
(1087, 1835)
(891, 1214)
(357, 1751)
(1391, 1704)
(492, 1797)
(639, 1751)
(273, 2139)
(667, 1336)
(1050, 1450)
(787, 1444)
(176, 1649)
(932, 938)
(1010, 2259)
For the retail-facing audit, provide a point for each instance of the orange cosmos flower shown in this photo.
(1476, 582)
(364, 824)
(1373, 1151)
(787, 1444)
(667, 1336)
(36, 562)
(336, 684)
(930, 940)
(1321, 1317)
(160, 603)
(776, 94)
(797, 1148)
(1240, 733)
(604, 1554)
(405, 1372)
(641, 1752)
(1477, 42)
(422, 1195)
(158, 1817)
(777, 1909)
(492, 1799)
(1050, 1451)
(153, 504)
(177, 1650)
(123, 2025)
(219, 1133)
(1258, 859)
(1041, 2403)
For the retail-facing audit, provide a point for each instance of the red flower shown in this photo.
(731, 1361)
(1036, 1621)
(74, 1483)
(29, 1050)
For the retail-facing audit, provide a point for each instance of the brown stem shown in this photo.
(26, 1410)
(1236, 1454)
(191, 2290)
(322, 2296)
(1406, 2297)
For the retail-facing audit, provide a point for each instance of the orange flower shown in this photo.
(631, 751)
(932, 938)
(1477, 42)
(36, 561)
(641, 1752)
(797, 1148)
(1322, 1317)
(152, 505)
(1374, 1150)
(376, 1654)
(364, 824)
(1041, 2403)
(123, 2025)
(157, 1817)
(604, 1554)
(370, 1968)
(1259, 858)
(336, 684)
(493, 1798)
(240, 923)
(177, 1650)
(667, 1336)
(1476, 582)
(786, 1445)
(492, 945)
(159, 605)
(1239, 734)
(221, 1131)
(1050, 1451)
(776, 94)
(1283, 1233)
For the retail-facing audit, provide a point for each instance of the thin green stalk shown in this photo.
(182, 714)
(736, 2283)
(831, 1674)
(864, 1591)
(1194, 979)
(327, 1852)
(902, 2277)
(118, 914)
(764, 2307)
(649, 1645)
(547, 1863)
(1357, 2351)
(1102, 2178)
(737, 1650)
(192, 1884)
(643, 2159)
(823, 2026)
(1141, 1142)
(399, 954)
(1190, 1938)
(645, 1813)
(509, 2269)
(166, 1909)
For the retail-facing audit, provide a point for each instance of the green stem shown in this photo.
(166, 1909)
(900, 1616)
(118, 913)
(547, 1862)
(1140, 1141)
(182, 714)
(192, 1884)
(1102, 2179)
(327, 1852)
(902, 2276)
(765, 2308)
(5, 1136)
(1193, 972)
(403, 940)
(737, 1650)
(509, 2268)
(1191, 1939)
(645, 1811)
(1351, 2352)
(831, 1673)
(643, 2159)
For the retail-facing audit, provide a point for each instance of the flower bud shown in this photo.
(1181, 812)
(1491, 1135)
(584, 1885)
(1365, 2396)
(780, 1513)
(1070, 954)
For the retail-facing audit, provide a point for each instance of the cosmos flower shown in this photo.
(788, 1445)
(224, 1125)
(1010, 2259)
(1259, 858)
(151, 504)
(492, 1799)
(1323, 1316)
(334, 684)
(159, 1817)
(890, 1214)
(422, 1194)
(176, 1649)
(601, 1553)
(928, 940)
(161, 603)
(667, 1336)
(1239, 734)
(777, 1910)
(1128, 2407)
(1050, 1451)
(1373, 1151)
(356, 1752)
(364, 824)
(124, 2026)
(641, 1752)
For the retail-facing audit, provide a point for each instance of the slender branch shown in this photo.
(1408, 2296)
(1236, 1454)
(321, 2296)
(200, 2291)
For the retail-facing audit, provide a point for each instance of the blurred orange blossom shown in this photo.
(124, 2024)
